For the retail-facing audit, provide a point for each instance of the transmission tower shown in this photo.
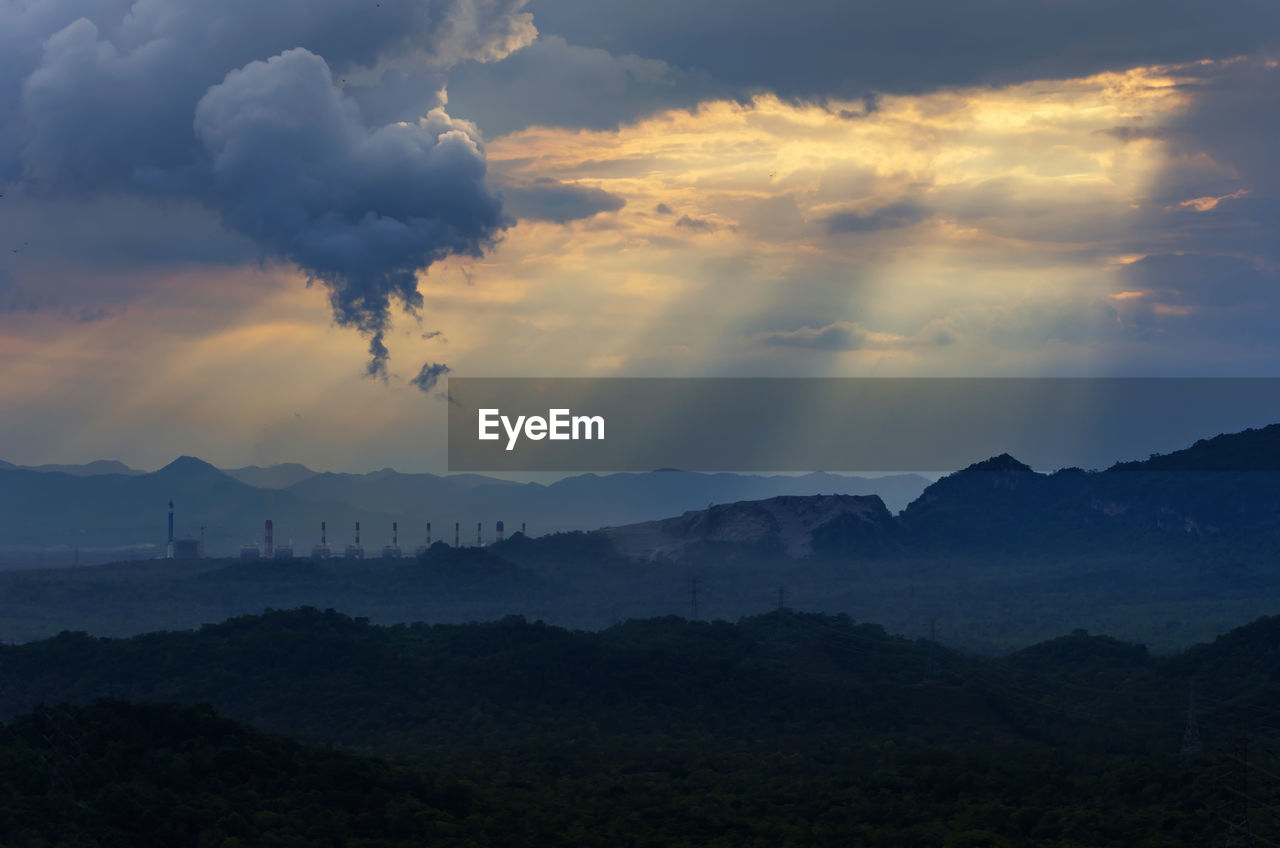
(931, 668)
(1191, 747)
(1239, 827)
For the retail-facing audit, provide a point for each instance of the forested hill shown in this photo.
(1254, 449)
(333, 679)
(783, 729)
(161, 775)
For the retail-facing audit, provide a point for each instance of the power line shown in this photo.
(1191, 747)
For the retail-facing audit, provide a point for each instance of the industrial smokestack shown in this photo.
(479, 524)
(268, 549)
(428, 534)
(201, 554)
(499, 531)
(321, 551)
(395, 535)
(522, 533)
(456, 525)
(355, 551)
(168, 548)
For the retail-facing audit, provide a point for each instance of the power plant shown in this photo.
(392, 551)
(195, 549)
(321, 551)
(355, 551)
(182, 548)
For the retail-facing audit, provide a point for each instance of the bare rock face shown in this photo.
(795, 525)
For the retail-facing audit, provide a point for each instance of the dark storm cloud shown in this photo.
(243, 107)
(889, 217)
(294, 166)
(430, 375)
(1200, 280)
(818, 48)
(551, 200)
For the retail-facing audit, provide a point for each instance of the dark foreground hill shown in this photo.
(785, 729)
(158, 775)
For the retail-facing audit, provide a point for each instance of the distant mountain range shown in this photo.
(1224, 488)
(101, 466)
(794, 526)
(55, 510)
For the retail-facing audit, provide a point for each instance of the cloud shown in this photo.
(553, 83)
(1137, 133)
(1191, 279)
(16, 299)
(429, 375)
(836, 337)
(812, 49)
(360, 210)
(89, 314)
(663, 209)
(696, 225)
(546, 199)
(889, 217)
(13, 299)
(289, 145)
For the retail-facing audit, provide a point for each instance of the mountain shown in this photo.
(785, 729)
(1249, 450)
(793, 526)
(280, 476)
(582, 502)
(44, 509)
(1224, 489)
(152, 775)
(77, 516)
(90, 469)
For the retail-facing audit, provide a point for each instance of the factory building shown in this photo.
(181, 548)
(186, 549)
(194, 548)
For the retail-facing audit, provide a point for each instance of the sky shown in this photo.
(267, 232)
